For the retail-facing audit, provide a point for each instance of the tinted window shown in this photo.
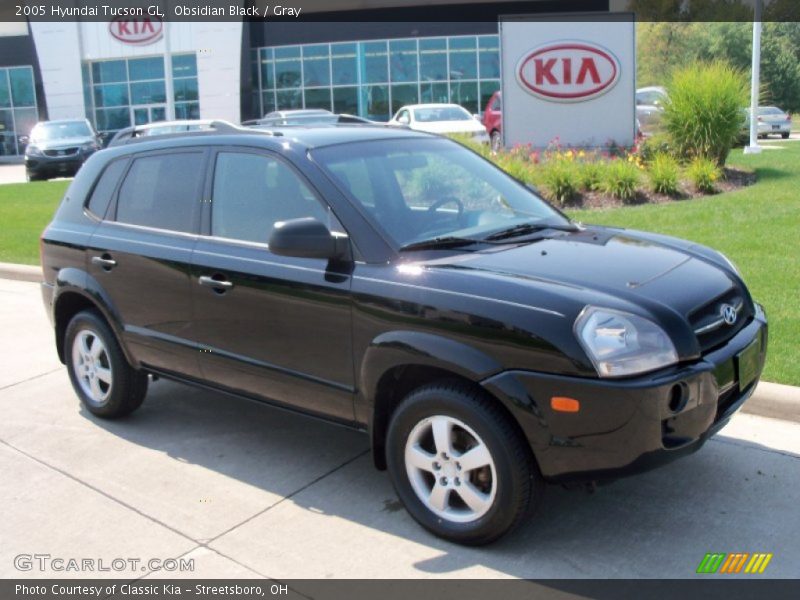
(101, 196)
(162, 191)
(252, 192)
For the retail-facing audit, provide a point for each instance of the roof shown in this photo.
(432, 105)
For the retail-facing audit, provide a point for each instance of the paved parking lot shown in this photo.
(251, 491)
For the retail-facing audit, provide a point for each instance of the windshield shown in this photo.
(46, 132)
(442, 113)
(421, 189)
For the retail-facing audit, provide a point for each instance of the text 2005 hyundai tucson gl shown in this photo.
(399, 283)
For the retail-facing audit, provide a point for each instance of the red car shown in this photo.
(493, 119)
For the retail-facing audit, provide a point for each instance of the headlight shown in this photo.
(33, 150)
(620, 343)
(89, 147)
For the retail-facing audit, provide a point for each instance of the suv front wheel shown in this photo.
(459, 464)
(104, 381)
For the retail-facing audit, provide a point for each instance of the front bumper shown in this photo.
(55, 165)
(632, 425)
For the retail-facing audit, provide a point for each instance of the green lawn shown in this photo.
(757, 227)
(25, 210)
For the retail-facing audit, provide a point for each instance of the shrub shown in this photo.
(703, 174)
(590, 174)
(664, 173)
(621, 178)
(559, 178)
(703, 114)
(654, 146)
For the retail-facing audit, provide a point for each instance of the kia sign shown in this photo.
(138, 32)
(568, 72)
(568, 79)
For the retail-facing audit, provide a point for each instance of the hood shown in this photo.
(653, 274)
(470, 126)
(63, 143)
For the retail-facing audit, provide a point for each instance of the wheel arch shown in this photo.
(398, 362)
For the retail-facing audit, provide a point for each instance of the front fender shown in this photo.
(400, 348)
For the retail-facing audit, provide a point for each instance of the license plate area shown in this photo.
(747, 362)
(776, 127)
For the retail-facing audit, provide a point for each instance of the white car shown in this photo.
(771, 120)
(441, 119)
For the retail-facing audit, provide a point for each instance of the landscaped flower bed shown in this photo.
(575, 177)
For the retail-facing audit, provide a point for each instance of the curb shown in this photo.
(772, 400)
(21, 272)
(776, 401)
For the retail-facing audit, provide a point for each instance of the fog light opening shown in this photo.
(678, 397)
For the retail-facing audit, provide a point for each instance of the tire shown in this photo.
(31, 177)
(508, 484)
(496, 141)
(785, 136)
(101, 376)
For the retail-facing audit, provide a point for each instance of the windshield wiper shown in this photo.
(528, 228)
(440, 242)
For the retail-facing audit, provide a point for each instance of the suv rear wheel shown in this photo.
(104, 381)
(460, 466)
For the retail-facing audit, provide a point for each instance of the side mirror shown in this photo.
(307, 238)
(403, 120)
(23, 139)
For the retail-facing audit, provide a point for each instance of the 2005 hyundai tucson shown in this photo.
(396, 282)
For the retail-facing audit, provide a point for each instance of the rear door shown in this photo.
(140, 254)
(270, 326)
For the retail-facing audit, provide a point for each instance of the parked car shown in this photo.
(771, 121)
(441, 119)
(59, 148)
(493, 120)
(650, 108)
(160, 128)
(305, 117)
(398, 283)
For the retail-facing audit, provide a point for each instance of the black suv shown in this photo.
(59, 148)
(396, 282)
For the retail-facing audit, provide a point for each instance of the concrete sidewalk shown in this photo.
(250, 491)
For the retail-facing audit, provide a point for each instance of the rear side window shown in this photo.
(162, 191)
(101, 196)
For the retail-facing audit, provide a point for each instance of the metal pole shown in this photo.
(168, 68)
(754, 148)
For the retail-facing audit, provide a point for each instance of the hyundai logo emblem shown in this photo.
(728, 313)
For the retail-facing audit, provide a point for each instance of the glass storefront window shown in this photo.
(18, 112)
(22, 93)
(489, 57)
(316, 65)
(433, 59)
(288, 68)
(109, 71)
(345, 100)
(318, 98)
(118, 93)
(403, 60)
(463, 59)
(375, 65)
(375, 78)
(5, 93)
(404, 94)
(344, 64)
(146, 68)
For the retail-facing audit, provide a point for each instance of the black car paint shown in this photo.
(335, 339)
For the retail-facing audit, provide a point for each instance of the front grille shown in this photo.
(709, 326)
(61, 152)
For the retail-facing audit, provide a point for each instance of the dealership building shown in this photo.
(338, 56)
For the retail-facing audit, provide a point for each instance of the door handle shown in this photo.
(218, 285)
(104, 261)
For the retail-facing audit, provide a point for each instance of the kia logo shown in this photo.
(568, 71)
(139, 32)
(728, 313)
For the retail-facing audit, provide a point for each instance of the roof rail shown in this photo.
(139, 133)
